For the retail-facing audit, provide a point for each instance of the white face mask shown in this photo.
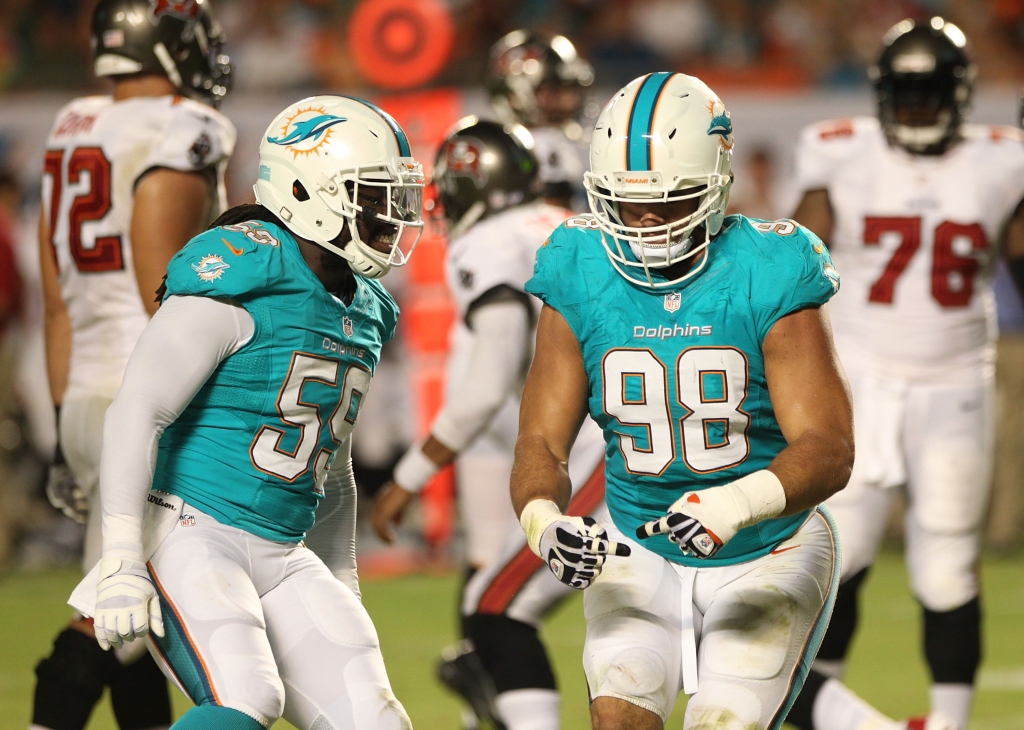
(658, 256)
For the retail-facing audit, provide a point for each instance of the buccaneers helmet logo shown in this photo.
(185, 9)
(463, 160)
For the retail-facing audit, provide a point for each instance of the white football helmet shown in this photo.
(315, 157)
(664, 137)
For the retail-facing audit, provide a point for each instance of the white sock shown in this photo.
(954, 701)
(529, 709)
(834, 668)
(837, 708)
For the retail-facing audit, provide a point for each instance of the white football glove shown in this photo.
(701, 523)
(64, 493)
(574, 548)
(127, 604)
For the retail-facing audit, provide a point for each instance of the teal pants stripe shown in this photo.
(177, 650)
(212, 717)
(819, 627)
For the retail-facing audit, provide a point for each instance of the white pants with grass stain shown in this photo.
(740, 638)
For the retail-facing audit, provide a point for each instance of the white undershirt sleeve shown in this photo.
(333, 537)
(500, 349)
(180, 348)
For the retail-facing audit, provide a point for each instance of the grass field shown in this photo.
(414, 616)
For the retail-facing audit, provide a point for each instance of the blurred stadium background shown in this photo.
(777, 64)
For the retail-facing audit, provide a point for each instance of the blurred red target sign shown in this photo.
(400, 44)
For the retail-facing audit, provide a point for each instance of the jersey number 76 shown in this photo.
(266, 451)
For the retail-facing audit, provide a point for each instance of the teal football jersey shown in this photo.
(254, 446)
(677, 378)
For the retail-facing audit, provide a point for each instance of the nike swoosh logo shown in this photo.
(235, 251)
(818, 248)
(783, 550)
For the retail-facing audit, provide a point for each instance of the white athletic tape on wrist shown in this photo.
(762, 495)
(535, 518)
(415, 469)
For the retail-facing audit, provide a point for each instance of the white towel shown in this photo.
(163, 510)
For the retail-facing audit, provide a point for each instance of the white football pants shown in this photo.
(264, 628)
(755, 628)
(937, 441)
(510, 579)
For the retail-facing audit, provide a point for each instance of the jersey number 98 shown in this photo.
(711, 385)
(266, 451)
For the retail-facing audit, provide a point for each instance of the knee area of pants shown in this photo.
(940, 589)
(264, 700)
(637, 672)
(77, 660)
(723, 706)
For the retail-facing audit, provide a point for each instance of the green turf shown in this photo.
(414, 617)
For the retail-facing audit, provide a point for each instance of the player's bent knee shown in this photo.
(943, 588)
(636, 675)
(207, 717)
(724, 706)
(613, 713)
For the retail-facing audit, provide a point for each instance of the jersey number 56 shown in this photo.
(266, 451)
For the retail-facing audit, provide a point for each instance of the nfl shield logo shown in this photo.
(346, 325)
(672, 301)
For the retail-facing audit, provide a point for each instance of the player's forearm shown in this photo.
(813, 468)
(538, 473)
(57, 331)
(169, 365)
(500, 348)
(333, 537)
(494, 365)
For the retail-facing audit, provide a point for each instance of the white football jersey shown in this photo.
(914, 239)
(499, 250)
(96, 153)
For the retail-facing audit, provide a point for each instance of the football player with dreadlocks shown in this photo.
(541, 82)
(488, 183)
(130, 177)
(915, 205)
(234, 422)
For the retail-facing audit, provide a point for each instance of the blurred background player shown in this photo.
(487, 177)
(697, 342)
(541, 82)
(130, 178)
(915, 206)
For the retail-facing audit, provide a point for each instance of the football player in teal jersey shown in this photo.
(233, 423)
(700, 345)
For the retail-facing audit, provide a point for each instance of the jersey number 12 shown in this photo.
(92, 204)
(711, 385)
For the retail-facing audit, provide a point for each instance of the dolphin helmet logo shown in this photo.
(306, 131)
(721, 123)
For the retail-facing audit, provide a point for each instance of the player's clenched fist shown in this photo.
(127, 605)
(700, 523)
(574, 548)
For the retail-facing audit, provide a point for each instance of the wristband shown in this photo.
(760, 495)
(414, 470)
(535, 518)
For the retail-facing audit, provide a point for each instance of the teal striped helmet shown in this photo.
(664, 137)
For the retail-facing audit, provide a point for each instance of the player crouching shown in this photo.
(242, 393)
(724, 435)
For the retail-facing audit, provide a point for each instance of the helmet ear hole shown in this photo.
(299, 192)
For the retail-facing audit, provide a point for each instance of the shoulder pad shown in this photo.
(230, 261)
(194, 137)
